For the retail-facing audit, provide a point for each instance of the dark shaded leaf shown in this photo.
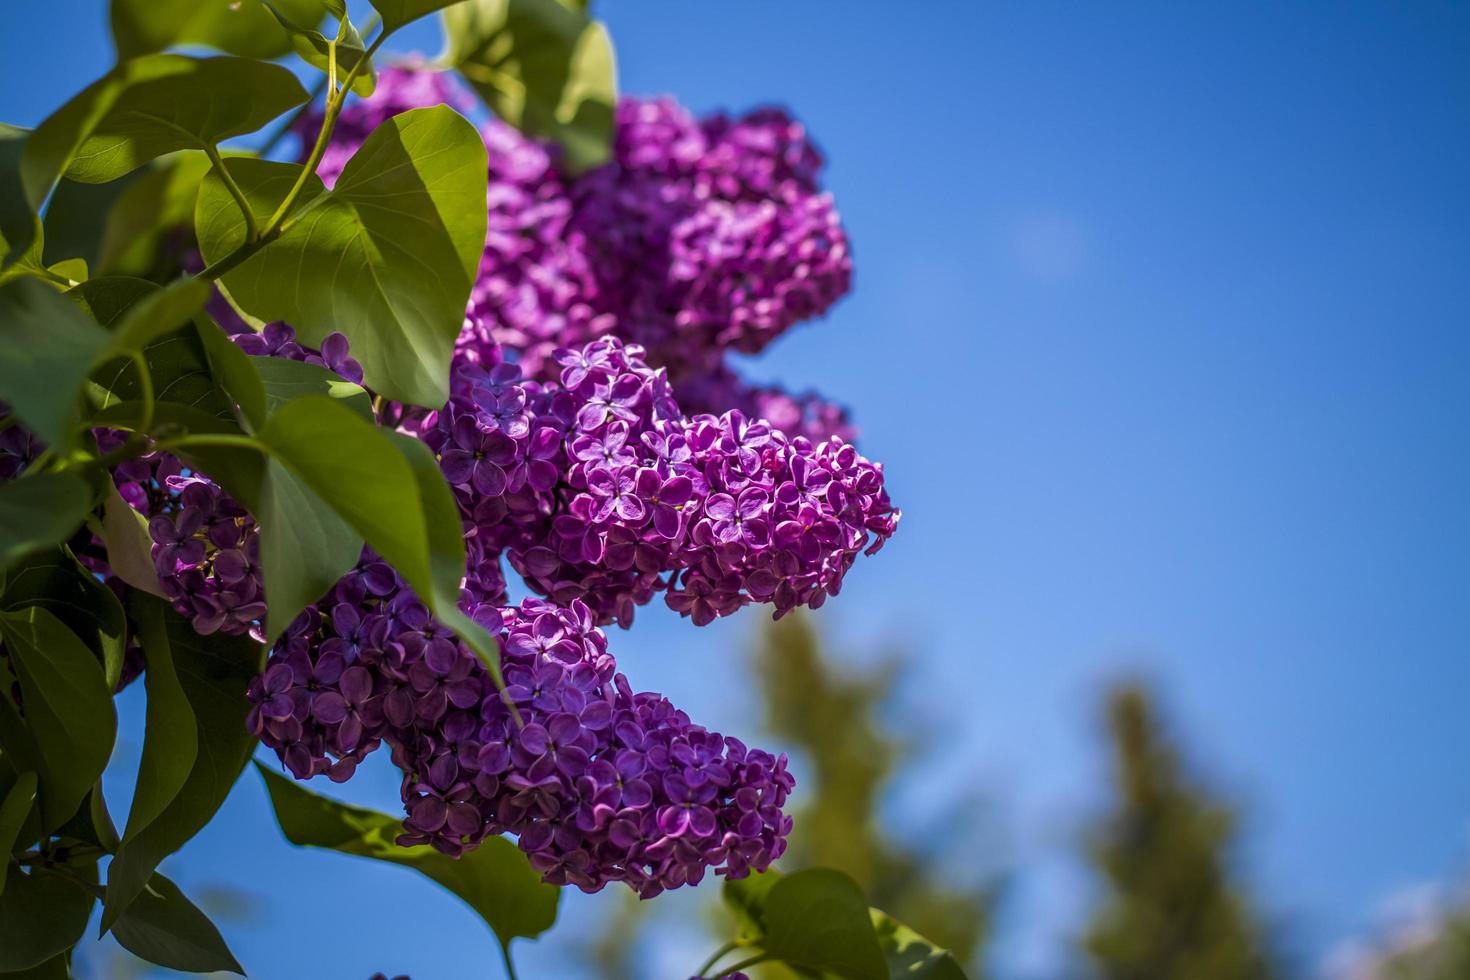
(47, 348)
(815, 920)
(214, 672)
(162, 926)
(154, 202)
(68, 708)
(42, 914)
(170, 737)
(13, 812)
(495, 880)
(40, 511)
(54, 580)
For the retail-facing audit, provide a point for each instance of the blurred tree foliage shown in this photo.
(830, 717)
(1170, 910)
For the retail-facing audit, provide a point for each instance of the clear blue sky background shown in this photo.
(1162, 328)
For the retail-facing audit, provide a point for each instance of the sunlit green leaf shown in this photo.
(396, 13)
(68, 708)
(911, 956)
(124, 533)
(543, 66)
(162, 926)
(142, 109)
(315, 48)
(387, 257)
(495, 879)
(286, 379)
(241, 27)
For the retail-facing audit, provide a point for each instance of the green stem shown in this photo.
(718, 955)
(763, 957)
(145, 384)
(335, 101)
(510, 967)
(274, 225)
(252, 231)
(289, 123)
(223, 439)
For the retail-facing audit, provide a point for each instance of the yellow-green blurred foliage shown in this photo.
(1169, 909)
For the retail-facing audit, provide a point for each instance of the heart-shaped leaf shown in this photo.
(387, 257)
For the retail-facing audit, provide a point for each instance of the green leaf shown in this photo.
(21, 249)
(124, 533)
(316, 49)
(387, 257)
(56, 968)
(543, 66)
(304, 547)
(156, 201)
(47, 349)
(242, 28)
(446, 547)
(68, 708)
(39, 511)
(142, 109)
(495, 879)
(157, 312)
(75, 220)
(911, 956)
(167, 102)
(285, 380)
(178, 361)
(54, 580)
(162, 926)
(41, 914)
(357, 468)
(170, 736)
(396, 13)
(234, 371)
(13, 813)
(388, 488)
(815, 919)
(214, 672)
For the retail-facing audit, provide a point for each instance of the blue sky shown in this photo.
(1162, 330)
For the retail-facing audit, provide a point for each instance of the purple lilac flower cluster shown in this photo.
(599, 490)
(206, 546)
(700, 236)
(598, 784)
